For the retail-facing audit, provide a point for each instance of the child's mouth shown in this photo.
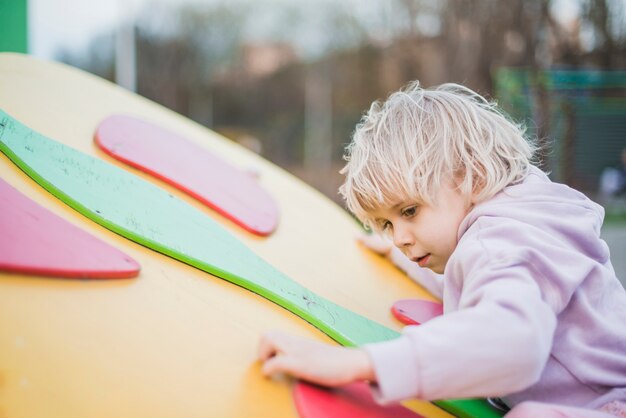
(422, 261)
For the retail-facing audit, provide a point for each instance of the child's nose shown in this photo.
(402, 238)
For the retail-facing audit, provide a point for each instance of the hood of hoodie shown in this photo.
(555, 208)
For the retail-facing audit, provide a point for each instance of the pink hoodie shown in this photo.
(533, 310)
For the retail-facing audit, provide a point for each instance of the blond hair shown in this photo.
(408, 146)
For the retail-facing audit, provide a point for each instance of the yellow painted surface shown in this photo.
(175, 341)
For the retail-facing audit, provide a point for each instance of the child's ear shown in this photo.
(476, 190)
(478, 185)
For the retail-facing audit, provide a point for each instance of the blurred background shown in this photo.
(289, 79)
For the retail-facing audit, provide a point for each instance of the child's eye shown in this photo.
(409, 212)
(384, 225)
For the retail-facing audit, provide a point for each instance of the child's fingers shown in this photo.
(275, 352)
(279, 364)
(268, 346)
(376, 243)
(275, 342)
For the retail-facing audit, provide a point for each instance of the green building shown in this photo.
(579, 116)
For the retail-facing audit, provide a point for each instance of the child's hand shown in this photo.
(313, 361)
(376, 243)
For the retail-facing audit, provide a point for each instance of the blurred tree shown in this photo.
(176, 66)
(97, 59)
(605, 20)
(242, 66)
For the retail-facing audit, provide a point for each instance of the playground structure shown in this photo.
(174, 340)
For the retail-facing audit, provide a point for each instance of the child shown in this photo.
(533, 311)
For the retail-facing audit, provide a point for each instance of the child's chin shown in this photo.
(436, 269)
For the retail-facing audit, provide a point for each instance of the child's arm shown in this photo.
(496, 342)
(313, 361)
(424, 277)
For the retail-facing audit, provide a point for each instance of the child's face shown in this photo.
(426, 234)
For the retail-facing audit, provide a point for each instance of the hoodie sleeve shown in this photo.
(499, 339)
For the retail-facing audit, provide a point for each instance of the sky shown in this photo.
(70, 24)
(55, 24)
